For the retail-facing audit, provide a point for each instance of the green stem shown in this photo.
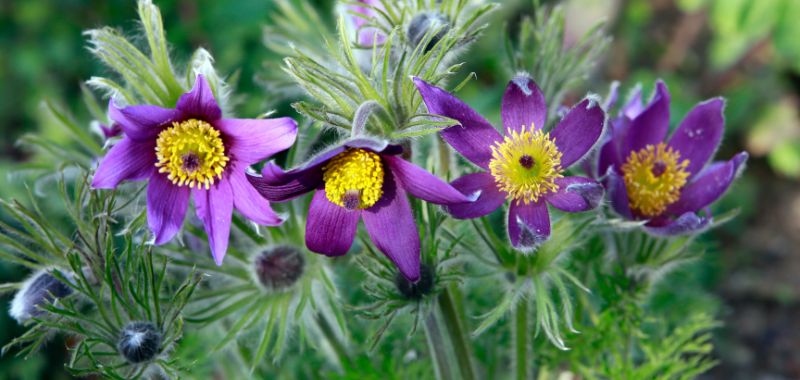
(521, 340)
(330, 335)
(455, 330)
(438, 348)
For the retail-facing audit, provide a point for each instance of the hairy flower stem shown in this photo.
(333, 340)
(521, 340)
(439, 350)
(455, 330)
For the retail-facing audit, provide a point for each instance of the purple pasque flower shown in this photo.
(367, 36)
(360, 179)
(666, 182)
(192, 150)
(526, 166)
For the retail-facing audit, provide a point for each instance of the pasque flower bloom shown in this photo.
(192, 150)
(526, 166)
(360, 179)
(666, 182)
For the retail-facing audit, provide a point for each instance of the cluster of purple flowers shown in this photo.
(192, 151)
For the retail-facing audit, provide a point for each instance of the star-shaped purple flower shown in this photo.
(191, 149)
(360, 179)
(526, 166)
(666, 182)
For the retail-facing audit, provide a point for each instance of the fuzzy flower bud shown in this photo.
(416, 290)
(139, 342)
(40, 289)
(428, 22)
(279, 267)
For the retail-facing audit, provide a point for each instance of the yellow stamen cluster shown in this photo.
(526, 164)
(354, 179)
(192, 153)
(654, 177)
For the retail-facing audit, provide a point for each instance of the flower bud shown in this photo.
(415, 290)
(139, 342)
(40, 289)
(279, 267)
(428, 22)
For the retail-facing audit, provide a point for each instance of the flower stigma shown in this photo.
(192, 154)
(526, 164)
(654, 177)
(354, 179)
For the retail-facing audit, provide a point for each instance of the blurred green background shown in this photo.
(745, 50)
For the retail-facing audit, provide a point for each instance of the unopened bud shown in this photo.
(428, 22)
(279, 267)
(139, 342)
(41, 289)
(415, 290)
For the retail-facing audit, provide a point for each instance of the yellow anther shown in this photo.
(654, 177)
(191, 153)
(354, 179)
(526, 164)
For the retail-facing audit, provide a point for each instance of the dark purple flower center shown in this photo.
(659, 167)
(190, 162)
(351, 199)
(526, 161)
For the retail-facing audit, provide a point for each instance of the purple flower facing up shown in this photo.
(526, 166)
(192, 150)
(360, 179)
(666, 182)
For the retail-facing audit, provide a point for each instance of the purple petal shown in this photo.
(390, 224)
(528, 225)
(489, 196)
(142, 123)
(650, 127)
(423, 185)
(610, 150)
(474, 137)
(252, 140)
(166, 207)
(634, 106)
(250, 203)
(576, 194)
(523, 105)
(700, 133)
(199, 103)
(330, 228)
(127, 160)
(378, 146)
(618, 193)
(277, 185)
(685, 224)
(215, 208)
(708, 186)
(367, 36)
(611, 98)
(113, 131)
(577, 132)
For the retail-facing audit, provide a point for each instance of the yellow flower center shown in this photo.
(354, 179)
(654, 177)
(526, 164)
(192, 153)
